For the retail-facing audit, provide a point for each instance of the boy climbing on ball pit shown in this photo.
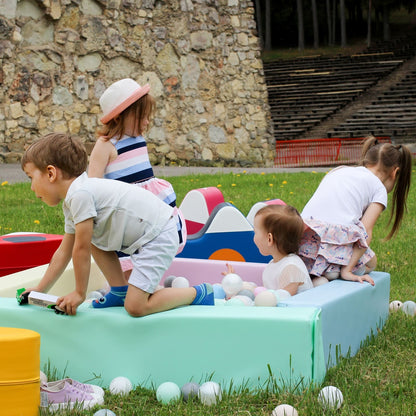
(103, 216)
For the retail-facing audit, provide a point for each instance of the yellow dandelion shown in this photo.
(231, 202)
(270, 184)
(36, 222)
(291, 193)
(244, 171)
(4, 183)
(238, 174)
(219, 186)
(263, 173)
(267, 199)
(233, 184)
(284, 182)
(313, 171)
(388, 253)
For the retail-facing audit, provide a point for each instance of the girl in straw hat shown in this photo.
(120, 151)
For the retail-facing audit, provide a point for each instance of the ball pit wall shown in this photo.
(234, 346)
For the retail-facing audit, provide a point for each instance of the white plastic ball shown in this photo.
(259, 289)
(43, 378)
(266, 298)
(190, 390)
(104, 412)
(246, 292)
(168, 281)
(234, 301)
(168, 392)
(104, 290)
(95, 294)
(282, 294)
(409, 308)
(249, 286)
(395, 305)
(285, 410)
(247, 301)
(180, 282)
(210, 393)
(330, 397)
(232, 284)
(120, 385)
(319, 281)
(219, 292)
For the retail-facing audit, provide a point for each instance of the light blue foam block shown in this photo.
(350, 312)
(237, 346)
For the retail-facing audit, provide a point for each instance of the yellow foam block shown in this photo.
(19, 372)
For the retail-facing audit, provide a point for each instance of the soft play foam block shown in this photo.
(308, 331)
(20, 251)
(197, 206)
(227, 235)
(65, 284)
(210, 271)
(351, 312)
(234, 346)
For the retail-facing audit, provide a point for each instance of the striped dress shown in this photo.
(132, 165)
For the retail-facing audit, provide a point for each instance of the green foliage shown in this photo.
(379, 380)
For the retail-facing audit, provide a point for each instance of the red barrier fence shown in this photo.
(320, 152)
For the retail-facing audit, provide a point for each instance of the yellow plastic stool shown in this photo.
(19, 372)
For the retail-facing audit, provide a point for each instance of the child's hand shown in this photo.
(70, 302)
(230, 269)
(347, 275)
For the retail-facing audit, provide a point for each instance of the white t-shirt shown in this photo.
(290, 269)
(125, 216)
(344, 194)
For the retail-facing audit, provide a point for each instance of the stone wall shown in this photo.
(201, 58)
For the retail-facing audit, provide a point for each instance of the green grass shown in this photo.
(379, 380)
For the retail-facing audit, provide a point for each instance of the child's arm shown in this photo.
(292, 288)
(290, 279)
(346, 271)
(81, 259)
(99, 158)
(57, 265)
(370, 218)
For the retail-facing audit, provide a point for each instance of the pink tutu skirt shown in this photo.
(327, 247)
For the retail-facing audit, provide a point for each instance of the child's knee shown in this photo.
(135, 309)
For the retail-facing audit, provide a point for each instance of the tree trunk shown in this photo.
(369, 24)
(328, 22)
(268, 36)
(342, 22)
(259, 22)
(334, 19)
(386, 22)
(301, 32)
(315, 25)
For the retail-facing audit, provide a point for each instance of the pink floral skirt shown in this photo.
(327, 247)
